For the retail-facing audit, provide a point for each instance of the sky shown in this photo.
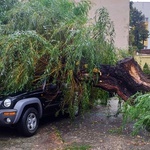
(140, 0)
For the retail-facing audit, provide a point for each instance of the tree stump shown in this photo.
(125, 79)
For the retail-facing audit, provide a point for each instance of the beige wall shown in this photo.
(142, 59)
(119, 14)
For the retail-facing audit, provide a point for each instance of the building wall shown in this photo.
(119, 14)
(142, 59)
(144, 7)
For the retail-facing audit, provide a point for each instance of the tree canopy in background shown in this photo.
(138, 31)
(53, 40)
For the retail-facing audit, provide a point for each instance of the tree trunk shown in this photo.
(125, 79)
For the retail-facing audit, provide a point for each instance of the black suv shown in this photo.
(24, 109)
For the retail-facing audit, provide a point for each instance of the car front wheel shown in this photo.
(29, 122)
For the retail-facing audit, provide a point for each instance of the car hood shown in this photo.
(22, 94)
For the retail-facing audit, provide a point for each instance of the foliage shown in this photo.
(138, 111)
(138, 32)
(40, 41)
(121, 53)
(74, 147)
(99, 96)
(6, 5)
(146, 69)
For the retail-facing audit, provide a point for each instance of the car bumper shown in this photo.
(7, 116)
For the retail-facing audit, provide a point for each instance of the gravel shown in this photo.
(94, 129)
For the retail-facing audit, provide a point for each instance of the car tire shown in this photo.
(29, 122)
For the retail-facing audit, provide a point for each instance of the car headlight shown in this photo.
(7, 102)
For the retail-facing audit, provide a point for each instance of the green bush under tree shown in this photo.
(146, 69)
(138, 112)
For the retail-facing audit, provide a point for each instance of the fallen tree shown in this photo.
(41, 41)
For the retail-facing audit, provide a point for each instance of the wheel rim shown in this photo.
(31, 122)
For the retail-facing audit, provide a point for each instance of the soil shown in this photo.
(94, 130)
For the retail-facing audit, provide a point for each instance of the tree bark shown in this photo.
(125, 79)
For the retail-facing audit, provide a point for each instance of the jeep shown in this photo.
(24, 109)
